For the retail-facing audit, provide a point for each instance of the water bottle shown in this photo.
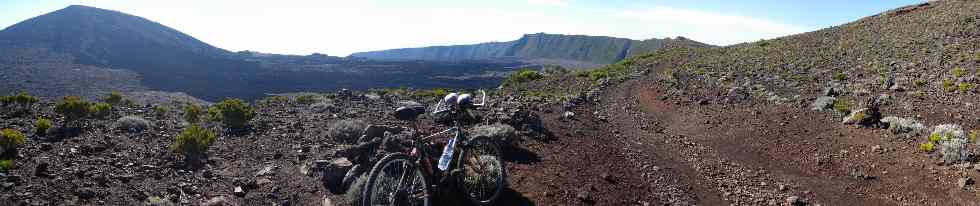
(447, 154)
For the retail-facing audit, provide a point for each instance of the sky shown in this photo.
(341, 27)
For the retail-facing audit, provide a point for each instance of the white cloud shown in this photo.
(709, 27)
(547, 2)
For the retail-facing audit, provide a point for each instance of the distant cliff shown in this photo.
(540, 47)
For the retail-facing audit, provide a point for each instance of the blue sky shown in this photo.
(340, 27)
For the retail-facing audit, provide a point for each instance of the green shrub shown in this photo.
(839, 75)
(11, 139)
(521, 76)
(115, 99)
(920, 83)
(935, 137)
(193, 141)
(842, 106)
(927, 147)
(72, 108)
(973, 135)
(100, 110)
(192, 113)
(42, 125)
(234, 113)
(21, 102)
(160, 110)
(6, 100)
(306, 99)
(6, 165)
(949, 86)
(959, 72)
(132, 124)
(965, 87)
(431, 93)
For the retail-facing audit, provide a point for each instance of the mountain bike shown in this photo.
(408, 178)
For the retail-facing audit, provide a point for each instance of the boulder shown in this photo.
(498, 132)
(823, 103)
(965, 183)
(334, 172)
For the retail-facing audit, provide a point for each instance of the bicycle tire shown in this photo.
(369, 197)
(478, 196)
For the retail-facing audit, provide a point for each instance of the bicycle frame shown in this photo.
(423, 157)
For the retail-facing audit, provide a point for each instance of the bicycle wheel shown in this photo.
(396, 180)
(483, 173)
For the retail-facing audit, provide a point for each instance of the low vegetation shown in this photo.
(115, 99)
(193, 142)
(11, 139)
(20, 103)
(99, 110)
(6, 165)
(521, 76)
(306, 99)
(193, 113)
(234, 114)
(161, 110)
(42, 125)
(346, 131)
(73, 108)
(132, 124)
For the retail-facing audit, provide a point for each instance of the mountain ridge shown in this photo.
(593, 50)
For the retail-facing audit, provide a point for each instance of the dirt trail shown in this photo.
(669, 152)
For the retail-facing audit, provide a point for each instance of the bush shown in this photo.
(431, 93)
(952, 142)
(521, 76)
(115, 99)
(901, 125)
(160, 110)
(973, 135)
(949, 86)
(966, 87)
(306, 99)
(21, 102)
(193, 141)
(959, 72)
(234, 113)
(132, 124)
(920, 83)
(192, 113)
(927, 147)
(11, 139)
(842, 106)
(346, 131)
(72, 108)
(41, 126)
(100, 110)
(839, 75)
(6, 165)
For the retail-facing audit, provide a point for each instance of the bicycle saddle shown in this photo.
(408, 113)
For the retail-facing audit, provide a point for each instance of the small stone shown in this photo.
(568, 115)
(584, 196)
(41, 169)
(607, 177)
(965, 182)
(795, 200)
(85, 193)
(239, 191)
(217, 201)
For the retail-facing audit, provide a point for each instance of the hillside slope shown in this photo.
(747, 124)
(590, 50)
